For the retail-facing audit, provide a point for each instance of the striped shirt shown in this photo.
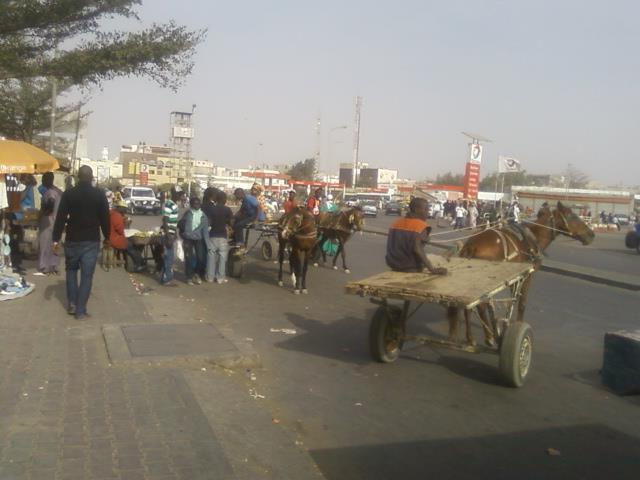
(170, 216)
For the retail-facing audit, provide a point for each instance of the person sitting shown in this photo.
(313, 203)
(290, 203)
(117, 238)
(328, 206)
(257, 191)
(406, 240)
(248, 213)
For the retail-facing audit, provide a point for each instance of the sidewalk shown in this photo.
(68, 413)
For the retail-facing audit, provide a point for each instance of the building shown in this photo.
(580, 200)
(377, 177)
(150, 165)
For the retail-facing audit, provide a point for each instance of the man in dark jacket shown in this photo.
(85, 211)
(405, 243)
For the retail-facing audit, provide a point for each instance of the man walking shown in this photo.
(85, 211)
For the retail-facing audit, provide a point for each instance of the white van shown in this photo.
(141, 200)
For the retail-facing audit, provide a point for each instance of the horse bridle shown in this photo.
(294, 231)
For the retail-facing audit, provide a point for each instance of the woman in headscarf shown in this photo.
(47, 259)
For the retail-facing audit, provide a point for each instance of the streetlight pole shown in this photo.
(329, 166)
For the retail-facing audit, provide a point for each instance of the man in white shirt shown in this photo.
(461, 213)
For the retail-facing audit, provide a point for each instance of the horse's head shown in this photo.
(291, 222)
(570, 224)
(355, 218)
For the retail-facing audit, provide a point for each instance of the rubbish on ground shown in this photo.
(358, 404)
(276, 420)
(286, 331)
(203, 369)
(253, 393)
(249, 339)
(553, 452)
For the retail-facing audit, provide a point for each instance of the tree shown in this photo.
(305, 170)
(575, 178)
(62, 39)
(25, 110)
(450, 179)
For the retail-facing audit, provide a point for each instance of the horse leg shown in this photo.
(489, 337)
(452, 316)
(320, 246)
(522, 301)
(305, 265)
(467, 326)
(281, 247)
(343, 255)
(295, 267)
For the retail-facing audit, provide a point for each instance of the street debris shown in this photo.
(253, 393)
(248, 339)
(552, 452)
(357, 404)
(203, 369)
(275, 420)
(286, 331)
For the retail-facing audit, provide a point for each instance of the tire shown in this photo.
(384, 332)
(516, 353)
(266, 250)
(235, 266)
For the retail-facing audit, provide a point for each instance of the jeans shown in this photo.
(217, 251)
(166, 274)
(238, 230)
(195, 257)
(80, 256)
(134, 254)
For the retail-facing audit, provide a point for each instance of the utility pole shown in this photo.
(318, 143)
(356, 141)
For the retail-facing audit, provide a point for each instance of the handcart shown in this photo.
(468, 284)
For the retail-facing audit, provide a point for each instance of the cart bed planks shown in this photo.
(467, 283)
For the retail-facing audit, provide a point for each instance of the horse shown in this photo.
(298, 229)
(339, 226)
(517, 243)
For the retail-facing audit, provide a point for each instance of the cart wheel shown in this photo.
(385, 334)
(515, 353)
(267, 250)
(235, 266)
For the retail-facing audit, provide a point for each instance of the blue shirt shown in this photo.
(249, 207)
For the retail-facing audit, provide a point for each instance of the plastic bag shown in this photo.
(179, 250)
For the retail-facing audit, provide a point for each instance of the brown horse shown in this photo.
(518, 243)
(298, 229)
(339, 226)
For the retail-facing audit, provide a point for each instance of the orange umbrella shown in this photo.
(21, 157)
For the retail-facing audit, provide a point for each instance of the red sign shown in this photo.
(471, 180)
(144, 178)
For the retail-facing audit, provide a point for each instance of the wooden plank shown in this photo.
(467, 281)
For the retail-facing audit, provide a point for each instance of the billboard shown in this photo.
(471, 180)
(182, 132)
(475, 152)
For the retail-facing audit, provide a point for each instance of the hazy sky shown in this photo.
(551, 82)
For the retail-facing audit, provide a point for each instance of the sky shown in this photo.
(551, 83)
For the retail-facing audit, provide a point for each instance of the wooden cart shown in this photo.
(468, 284)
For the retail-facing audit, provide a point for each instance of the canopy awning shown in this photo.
(20, 157)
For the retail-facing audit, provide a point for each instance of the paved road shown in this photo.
(436, 412)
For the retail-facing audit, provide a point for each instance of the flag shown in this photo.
(508, 164)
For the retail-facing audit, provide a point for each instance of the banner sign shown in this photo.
(471, 180)
(475, 152)
(508, 164)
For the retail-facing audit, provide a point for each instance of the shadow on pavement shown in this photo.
(464, 365)
(58, 290)
(340, 340)
(578, 452)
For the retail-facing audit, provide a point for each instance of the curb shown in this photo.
(243, 355)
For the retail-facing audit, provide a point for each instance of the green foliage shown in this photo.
(305, 170)
(450, 179)
(25, 110)
(63, 39)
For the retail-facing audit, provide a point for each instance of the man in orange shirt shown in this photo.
(290, 204)
(117, 238)
(405, 243)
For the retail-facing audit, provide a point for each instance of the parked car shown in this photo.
(141, 200)
(393, 208)
(369, 209)
(351, 201)
(623, 218)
